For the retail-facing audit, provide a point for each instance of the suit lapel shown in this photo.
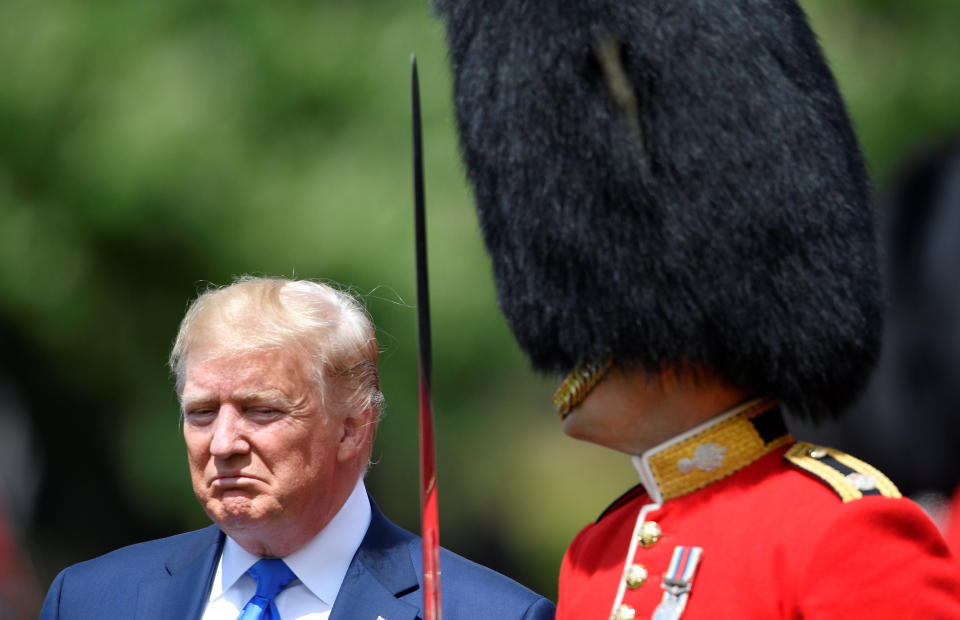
(380, 573)
(183, 591)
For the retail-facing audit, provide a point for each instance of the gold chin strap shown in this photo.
(577, 385)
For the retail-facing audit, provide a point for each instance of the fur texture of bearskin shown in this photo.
(725, 220)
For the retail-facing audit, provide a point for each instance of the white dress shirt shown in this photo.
(320, 567)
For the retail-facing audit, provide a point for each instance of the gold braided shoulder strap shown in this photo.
(849, 477)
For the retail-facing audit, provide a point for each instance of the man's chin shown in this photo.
(579, 426)
(235, 512)
(573, 426)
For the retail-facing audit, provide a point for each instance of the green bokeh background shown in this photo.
(147, 148)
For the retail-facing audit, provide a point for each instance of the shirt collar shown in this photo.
(321, 564)
(711, 451)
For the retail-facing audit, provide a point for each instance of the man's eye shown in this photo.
(200, 417)
(263, 413)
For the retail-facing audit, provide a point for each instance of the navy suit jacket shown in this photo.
(170, 578)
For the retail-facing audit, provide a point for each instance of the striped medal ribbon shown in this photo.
(677, 582)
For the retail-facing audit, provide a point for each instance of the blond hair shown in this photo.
(328, 327)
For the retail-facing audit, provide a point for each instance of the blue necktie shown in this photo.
(272, 576)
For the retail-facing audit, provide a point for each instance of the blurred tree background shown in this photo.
(149, 148)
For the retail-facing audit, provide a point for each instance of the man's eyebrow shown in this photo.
(267, 396)
(197, 393)
(197, 398)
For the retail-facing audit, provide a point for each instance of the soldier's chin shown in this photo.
(579, 425)
(575, 426)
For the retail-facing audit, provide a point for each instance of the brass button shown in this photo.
(635, 576)
(624, 612)
(816, 453)
(649, 534)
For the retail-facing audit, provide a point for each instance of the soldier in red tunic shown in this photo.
(764, 527)
(677, 209)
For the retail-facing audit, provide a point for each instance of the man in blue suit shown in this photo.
(280, 400)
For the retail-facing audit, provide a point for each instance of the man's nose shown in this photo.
(228, 433)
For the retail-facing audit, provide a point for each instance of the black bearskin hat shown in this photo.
(670, 182)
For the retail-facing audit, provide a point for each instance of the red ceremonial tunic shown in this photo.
(787, 530)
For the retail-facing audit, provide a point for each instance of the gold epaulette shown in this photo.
(849, 477)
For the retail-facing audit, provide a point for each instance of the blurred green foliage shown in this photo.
(147, 148)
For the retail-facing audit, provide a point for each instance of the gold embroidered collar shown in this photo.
(712, 451)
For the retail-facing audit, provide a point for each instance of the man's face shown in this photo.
(630, 412)
(265, 458)
(624, 411)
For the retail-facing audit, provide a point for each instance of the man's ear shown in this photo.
(356, 430)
